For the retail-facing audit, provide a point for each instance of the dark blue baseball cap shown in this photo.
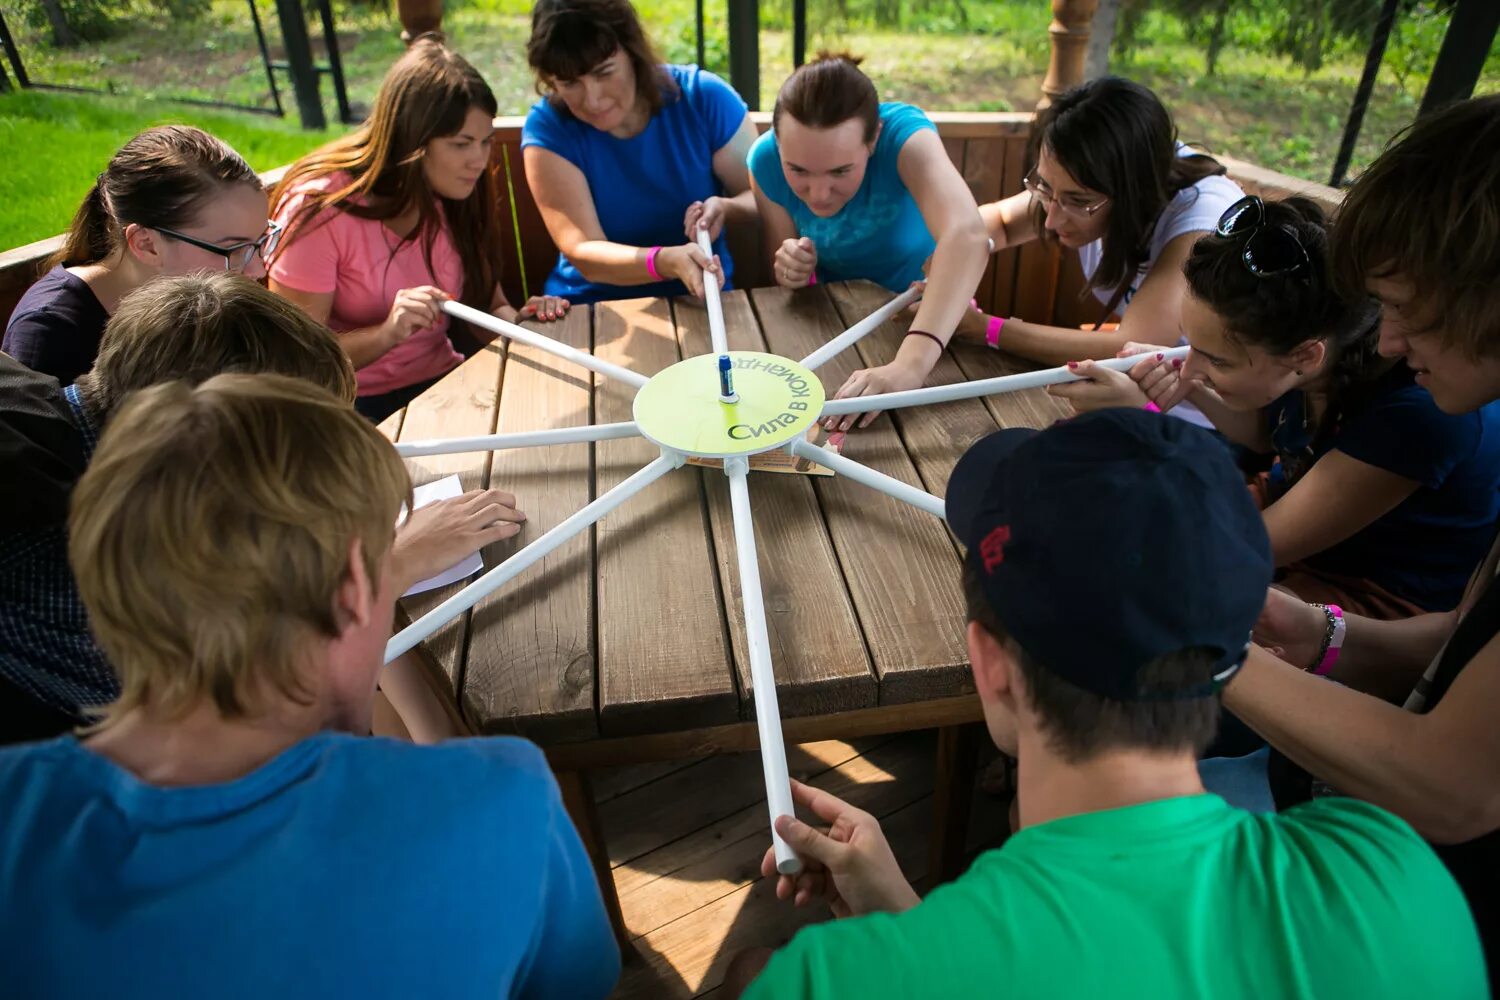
(1109, 540)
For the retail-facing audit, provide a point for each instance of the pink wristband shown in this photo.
(812, 279)
(992, 331)
(651, 263)
(1335, 644)
(1151, 407)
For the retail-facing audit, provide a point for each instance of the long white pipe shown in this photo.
(497, 325)
(712, 298)
(872, 478)
(983, 387)
(523, 439)
(762, 677)
(527, 557)
(863, 328)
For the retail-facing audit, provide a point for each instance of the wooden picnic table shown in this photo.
(627, 644)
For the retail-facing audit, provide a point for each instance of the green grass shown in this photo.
(1257, 106)
(55, 144)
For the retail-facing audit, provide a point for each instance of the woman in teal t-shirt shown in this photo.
(849, 188)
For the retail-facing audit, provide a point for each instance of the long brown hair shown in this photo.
(165, 176)
(426, 95)
(1115, 137)
(829, 91)
(570, 37)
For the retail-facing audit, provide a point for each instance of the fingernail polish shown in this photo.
(1072, 364)
(1160, 357)
(1176, 362)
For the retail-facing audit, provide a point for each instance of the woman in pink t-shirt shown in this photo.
(382, 226)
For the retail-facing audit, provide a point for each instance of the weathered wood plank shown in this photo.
(530, 662)
(666, 884)
(816, 648)
(1013, 171)
(686, 802)
(898, 561)
(984, 169)
(1030, 408)
(462, 403)
(663, 661)
(935, 436)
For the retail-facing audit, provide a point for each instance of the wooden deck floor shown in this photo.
(686, 839)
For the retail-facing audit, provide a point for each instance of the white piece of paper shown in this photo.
(443, 489)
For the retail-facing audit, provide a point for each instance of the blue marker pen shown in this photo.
(726, 381)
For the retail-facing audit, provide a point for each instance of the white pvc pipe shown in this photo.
(711, 298)
(762, 677)
(984, 387)
(862, 329)
(872, 478)
(527, 557)
(497, 325)
(523, 439)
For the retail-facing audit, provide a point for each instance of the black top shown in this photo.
(1475, 864)
(56, 326)
(41, 449)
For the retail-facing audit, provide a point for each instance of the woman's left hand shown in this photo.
(893, 377)
(1099, 389)
(708, 213)
(543, 307)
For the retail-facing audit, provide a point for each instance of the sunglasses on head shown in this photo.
(1270, 250)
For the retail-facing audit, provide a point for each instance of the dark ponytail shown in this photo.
(89, 237)
(1280, 313)
(165, 176)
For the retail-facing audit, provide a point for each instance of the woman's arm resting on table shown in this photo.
(1008, 221)
(567, 206)
(1335, 499)
(962, 251)
(1152, 318)
(1439, 771)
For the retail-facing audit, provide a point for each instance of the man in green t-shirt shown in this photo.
(1115, 567)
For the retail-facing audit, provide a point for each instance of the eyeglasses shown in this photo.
(1042, 192)
(238, 256)
(1270, 251)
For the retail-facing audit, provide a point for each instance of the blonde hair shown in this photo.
(198, 326)
(212, 530)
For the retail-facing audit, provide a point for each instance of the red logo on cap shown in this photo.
(992, 548)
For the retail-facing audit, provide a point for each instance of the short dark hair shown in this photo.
(1081, 725)
(570, 37)
(1117, 138)
(1280, 312)
(827, 92)
(1427, 211)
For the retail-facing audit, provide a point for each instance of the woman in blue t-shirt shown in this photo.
(628, 157)
(1379, 501)
(852, 188)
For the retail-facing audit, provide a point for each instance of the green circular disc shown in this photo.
(680, 408)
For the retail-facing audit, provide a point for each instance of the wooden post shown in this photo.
(1070, 42)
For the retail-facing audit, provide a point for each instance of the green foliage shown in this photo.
(69, 138)
(96, 20)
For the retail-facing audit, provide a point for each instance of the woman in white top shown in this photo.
(1110, 180)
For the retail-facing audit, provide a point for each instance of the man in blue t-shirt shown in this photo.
(222, 832)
